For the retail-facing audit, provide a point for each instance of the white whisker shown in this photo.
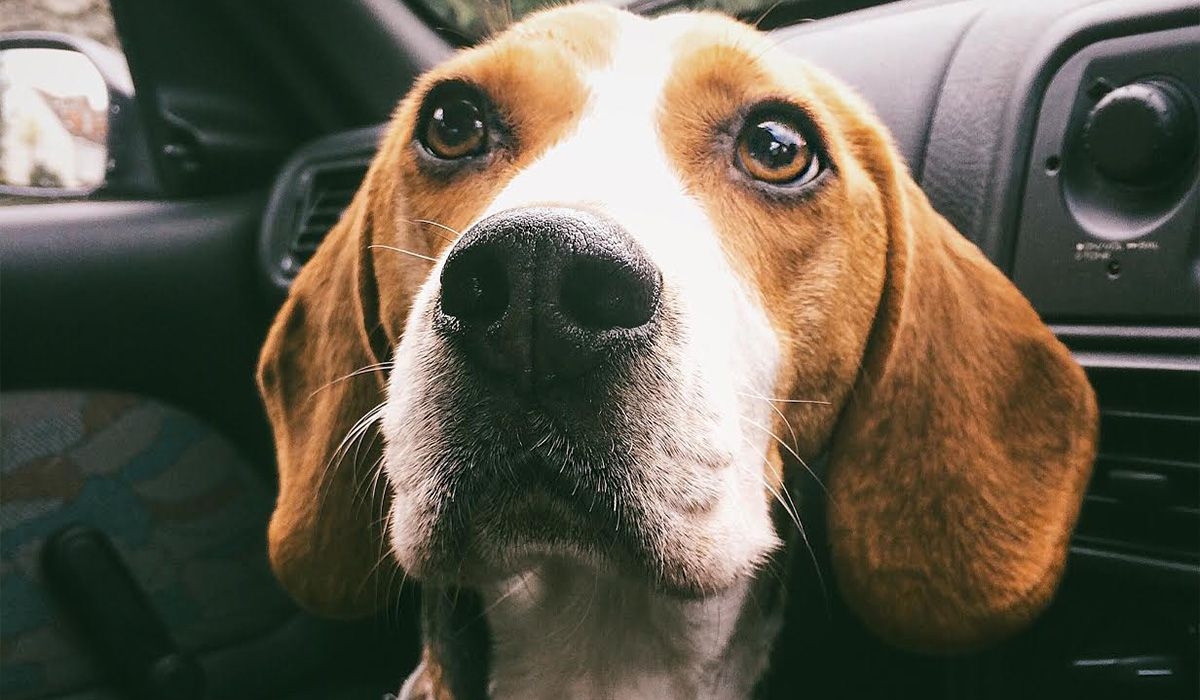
(356, 433)
(775, 400)
(401, 250)
(444, 227)
(790, 451)
(360, 371)
(789, 507)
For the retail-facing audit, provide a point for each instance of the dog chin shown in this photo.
(481, 541)
(500, 562)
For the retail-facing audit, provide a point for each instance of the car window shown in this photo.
(53, 102)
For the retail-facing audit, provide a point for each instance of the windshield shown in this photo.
(468, 21)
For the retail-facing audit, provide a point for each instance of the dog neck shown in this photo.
(565, 631)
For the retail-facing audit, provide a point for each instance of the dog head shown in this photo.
(608, 285)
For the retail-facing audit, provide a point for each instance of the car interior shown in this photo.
(1060, 136)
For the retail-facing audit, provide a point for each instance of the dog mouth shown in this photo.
(533, 488)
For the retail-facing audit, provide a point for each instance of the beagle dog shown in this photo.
(610, 287)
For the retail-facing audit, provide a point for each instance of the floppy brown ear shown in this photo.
(960, 461)
(326, 532)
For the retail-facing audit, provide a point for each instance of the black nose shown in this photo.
(547, 294)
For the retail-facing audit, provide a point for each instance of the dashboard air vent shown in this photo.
(1145, 492)
(324, 192)
(309, 195)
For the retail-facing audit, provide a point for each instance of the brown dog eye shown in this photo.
(775, 152)
(455, 129)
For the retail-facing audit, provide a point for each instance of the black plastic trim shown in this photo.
(979, 145)
(152, 298)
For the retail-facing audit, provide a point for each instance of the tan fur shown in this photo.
(959, 464)
(318, 338)
(960, 431)
(427, 682)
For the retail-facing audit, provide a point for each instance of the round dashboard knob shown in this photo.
(1141, 134)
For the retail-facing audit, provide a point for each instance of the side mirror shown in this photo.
(69, 125)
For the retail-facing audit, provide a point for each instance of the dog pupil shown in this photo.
(458, 122)
(774, 144)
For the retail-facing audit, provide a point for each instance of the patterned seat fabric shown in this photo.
(185, 511)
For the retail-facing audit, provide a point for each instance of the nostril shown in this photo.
(474, 288)
(542, 296)
(601, 294)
